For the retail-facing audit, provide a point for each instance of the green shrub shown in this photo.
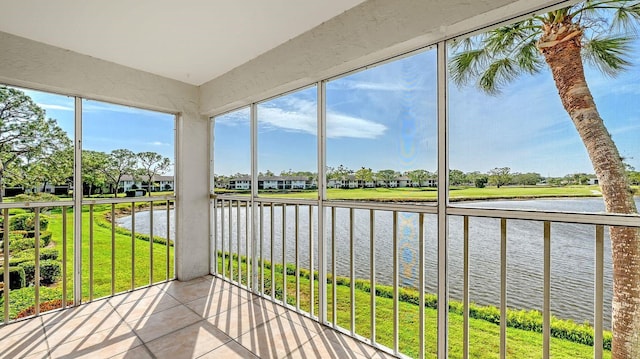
(19, 234)
(49, 271)
(35, 197)
(19, 245)
(25, 222)
(16, 261)
(29, 267)
(45, 237)
(16, 278)
(29, 254)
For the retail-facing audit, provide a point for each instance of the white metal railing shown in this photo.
(83, 276)
(276, 240)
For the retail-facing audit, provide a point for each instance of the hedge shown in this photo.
(16, 278)
(25, 222)
(18, 245)
(49, 271)
(29, 254)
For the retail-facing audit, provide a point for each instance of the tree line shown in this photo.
(35, 152)
(499, 176)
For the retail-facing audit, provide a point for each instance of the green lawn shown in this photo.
(430, 194)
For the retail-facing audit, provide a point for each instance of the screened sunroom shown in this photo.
(319, 179)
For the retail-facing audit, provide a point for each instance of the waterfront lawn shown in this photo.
(102, 256)
(456, 193)
(484, 336)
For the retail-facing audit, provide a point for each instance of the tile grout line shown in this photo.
(144, 345)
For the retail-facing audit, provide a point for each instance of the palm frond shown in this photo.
(466, 64)
(626, 18)
(498, 56)
(497, 74)
(607, 54)
(528, 57)
(619, 15)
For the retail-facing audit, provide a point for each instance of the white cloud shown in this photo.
(340, 125)
(298, 115)
(376, 86)
(55, 107)
(158, 143)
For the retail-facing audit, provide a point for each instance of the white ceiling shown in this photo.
(192, 41)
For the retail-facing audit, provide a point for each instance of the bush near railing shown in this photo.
(22, 244)
(25, 222)
(103, 222)
(16, 278)
(29, 254)
(50, 270)
(530, 320)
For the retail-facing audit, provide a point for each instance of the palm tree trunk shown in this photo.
(563, 57)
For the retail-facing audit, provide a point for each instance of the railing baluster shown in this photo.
(372, 265)
(503, 288)
(133, 245)
(151, 243)
(334, 302)
(5, 242)
(222, 223)
(311, 275)
(91, 253)
(230, 256)
(284, 254)
(546, 306)
(421, 281)
(36, 247)
(396, 350)
(113, 248)
(248, 262)
(214, 233)
(64, 257)
(238, 227)
(297, 244)
(261, 248)
(352, 269)
(599, 293)
(465, 290)
(168, 247)
(273, 266)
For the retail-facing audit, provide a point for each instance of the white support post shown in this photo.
(77, 204)
(443, 202)
(322, 195)
(254, 193)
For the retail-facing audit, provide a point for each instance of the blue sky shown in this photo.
(385, 118)
(107, 127)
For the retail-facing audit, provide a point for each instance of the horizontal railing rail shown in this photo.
(609, 219)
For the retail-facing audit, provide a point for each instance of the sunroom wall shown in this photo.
(42, 67)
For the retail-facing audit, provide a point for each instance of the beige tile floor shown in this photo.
(202, 318)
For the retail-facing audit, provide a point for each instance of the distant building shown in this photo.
(158, 183)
